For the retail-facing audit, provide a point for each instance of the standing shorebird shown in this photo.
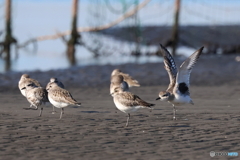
(118, 81)
(178, 90)
(60, 97)
(60, 84)
(55, 80)
(35, 95)
(128, 102)
(127, 78)
(25, 80)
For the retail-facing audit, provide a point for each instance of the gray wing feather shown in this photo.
(170, 66)
(130, 99)
(41, 94)
(130, 81)
(186, 67)
(63, 95)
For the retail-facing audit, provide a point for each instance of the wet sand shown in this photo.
(96, 130)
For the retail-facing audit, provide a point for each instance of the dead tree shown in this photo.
(9, 39)
(74, 36)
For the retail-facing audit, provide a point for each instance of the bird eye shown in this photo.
(165, 95)
(29, 85)
(116, 89)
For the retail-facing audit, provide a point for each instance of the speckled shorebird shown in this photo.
(60, 84)
(117, 81)
(24, 80)
(35, 95)
(127, 78)
(60, 97)
(178, 90)
(128, 102)
(55, 80)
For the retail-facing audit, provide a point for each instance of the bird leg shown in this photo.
(174, 112)
(62, 112)
(53, 112)
(40, 114)
(128, 119)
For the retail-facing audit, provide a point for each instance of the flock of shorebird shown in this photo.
(177, 92)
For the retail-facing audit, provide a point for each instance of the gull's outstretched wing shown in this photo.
(170, 66)
(183, 76)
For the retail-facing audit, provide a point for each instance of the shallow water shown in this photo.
(118, 53)
(49, 59)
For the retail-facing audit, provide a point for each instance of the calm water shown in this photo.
(49, 59)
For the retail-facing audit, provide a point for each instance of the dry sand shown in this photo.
(96, 130)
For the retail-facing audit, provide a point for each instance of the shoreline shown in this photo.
(209, 71)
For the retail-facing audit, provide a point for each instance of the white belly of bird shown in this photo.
(23, 92)
(179, 99)
(126, 109)
(58, 104)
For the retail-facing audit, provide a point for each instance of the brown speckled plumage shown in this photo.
(127, 78)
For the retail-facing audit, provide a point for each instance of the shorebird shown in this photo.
(128, 102)
(60, 97)
(127, 78)
(24, 80)
(60, 84)
(55, 80)
(35, 95)
(178, 90)
(117, 81)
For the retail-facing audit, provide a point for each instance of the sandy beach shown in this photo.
(96, 129)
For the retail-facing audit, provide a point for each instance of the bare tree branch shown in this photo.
(112, 9)
(90, 29)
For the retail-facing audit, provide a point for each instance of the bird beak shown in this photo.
(158, 98)
(23, 88)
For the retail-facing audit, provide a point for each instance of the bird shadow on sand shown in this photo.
(95, 112)
(30, 108)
